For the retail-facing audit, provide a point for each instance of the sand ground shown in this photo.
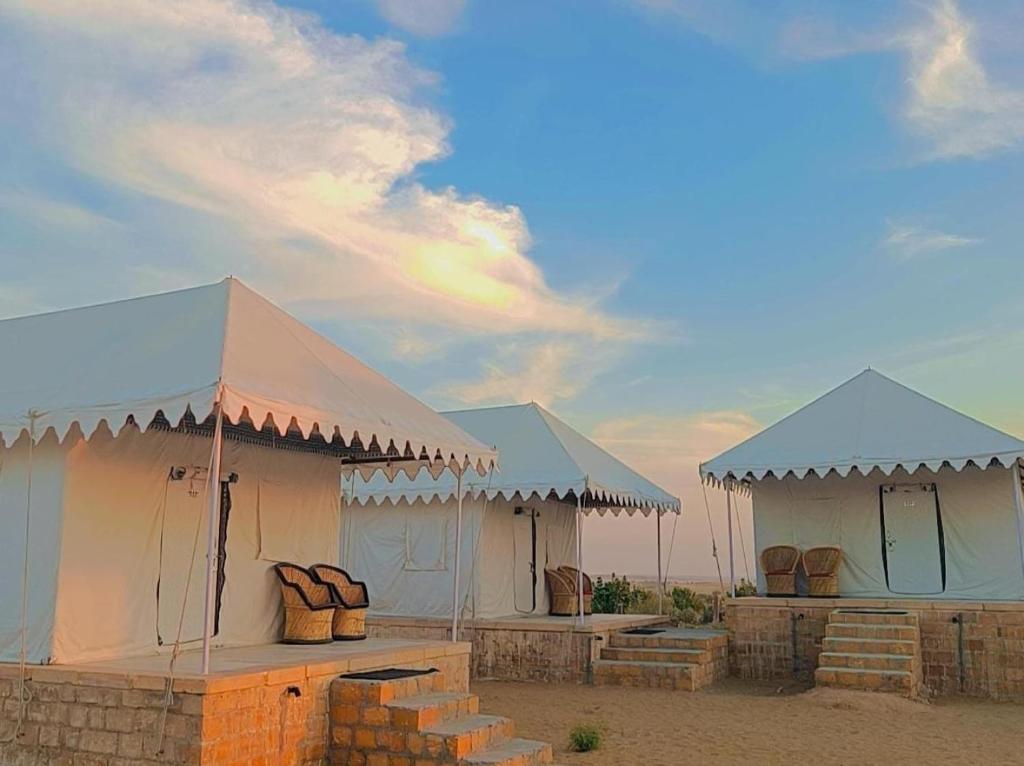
(739, 722)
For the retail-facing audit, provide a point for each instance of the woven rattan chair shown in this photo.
(349, 622)
(308, 606)
(779, 563)
(588, 588)
(822, 567)
(561, 593)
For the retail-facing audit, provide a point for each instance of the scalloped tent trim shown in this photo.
(541, 456)
(263, 363)
(869, 414)
(602, 504)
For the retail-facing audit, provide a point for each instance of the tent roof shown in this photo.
(868, 422)
(540, 454)
(172, 352)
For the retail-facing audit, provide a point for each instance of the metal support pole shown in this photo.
(212, 530)
(579, 557)
(661, 589)
(732, 560)
(458, 548)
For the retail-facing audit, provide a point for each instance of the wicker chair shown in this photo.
(349, 622)
(561, 593)
(588, 588)
(779, 563)
(822, 567)
(308, 606)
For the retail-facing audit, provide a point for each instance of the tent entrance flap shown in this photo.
(524, 561)
(912, 539)
(184, 513)
(177, 589)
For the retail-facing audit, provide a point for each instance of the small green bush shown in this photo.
(616, 596)
(746, 588)
(584, 738)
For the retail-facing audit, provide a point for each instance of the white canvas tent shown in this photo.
(401, 538)
(923, 500)
(112, 420)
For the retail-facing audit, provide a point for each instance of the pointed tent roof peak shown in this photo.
(870, 421)
(539, 454)
(189, 349)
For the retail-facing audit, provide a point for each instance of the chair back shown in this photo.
(573, 574)
(780, 559)
(297, 582)
(351, 593)
(822, 560)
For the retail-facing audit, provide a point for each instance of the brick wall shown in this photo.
(274, 717)
(971, 648)
(507, 653)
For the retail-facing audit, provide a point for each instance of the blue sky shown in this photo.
(670, 221)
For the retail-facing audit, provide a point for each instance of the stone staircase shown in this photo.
(871, 650)
(420, 720)
(668, 658)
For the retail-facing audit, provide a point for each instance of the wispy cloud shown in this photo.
(909, 241)
(427, 18)
(544, 372)
(289, 154)
(953, 101)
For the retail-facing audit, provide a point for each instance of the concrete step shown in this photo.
(666, 640)
(869, 646)
(899, 681)
(871, 630)
(874, 616)
(424, 710)
(640, 654)
(905, 662)
(470, 734)
(515, 752)
(663, 675)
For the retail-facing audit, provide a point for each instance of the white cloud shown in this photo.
(953, 101)
(427, 18)
(542, 372)
(909, 241)
(260, 118)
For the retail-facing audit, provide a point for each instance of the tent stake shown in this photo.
(213, 483)
(458, 547)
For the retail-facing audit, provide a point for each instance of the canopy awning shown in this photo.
(173, 354)
(870, 422)
(540, 456)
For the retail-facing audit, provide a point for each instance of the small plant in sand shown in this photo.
(584, 738)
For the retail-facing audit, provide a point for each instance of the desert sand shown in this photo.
(738, 722)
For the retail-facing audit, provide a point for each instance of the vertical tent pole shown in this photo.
(579, 557)
(1018, 502)
(213, 482)
(657, 514)
(458, 548)
(732, 561)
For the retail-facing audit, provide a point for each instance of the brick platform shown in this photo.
(970, 648)
(523, 648)
(264, 706)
